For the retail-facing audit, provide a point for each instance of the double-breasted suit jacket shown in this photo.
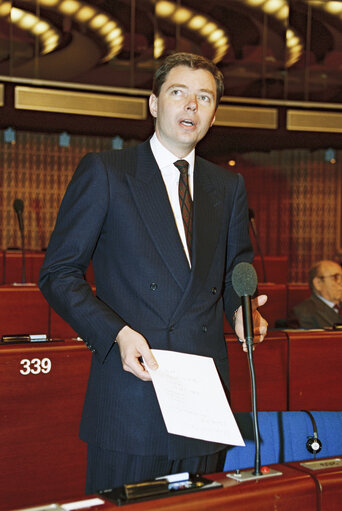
(116, 212)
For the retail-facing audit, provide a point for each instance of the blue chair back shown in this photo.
(283, 437)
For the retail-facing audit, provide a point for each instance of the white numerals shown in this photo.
(35, 366)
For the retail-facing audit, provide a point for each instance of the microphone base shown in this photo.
(249, 475)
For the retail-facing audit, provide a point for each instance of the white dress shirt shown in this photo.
(170, 174)
(330, 304)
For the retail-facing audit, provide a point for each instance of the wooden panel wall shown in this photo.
(294, 194)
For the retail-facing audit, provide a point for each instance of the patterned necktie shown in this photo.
(185, 200)
(338, 309)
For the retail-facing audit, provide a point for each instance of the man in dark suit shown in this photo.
(322, 309)
(158, 285)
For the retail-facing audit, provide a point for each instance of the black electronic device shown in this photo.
(167, 486)
(313, 444)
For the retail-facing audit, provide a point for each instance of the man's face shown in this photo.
(184, 109)
(329, 281)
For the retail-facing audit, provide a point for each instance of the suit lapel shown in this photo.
(208, 207)
(151, 198)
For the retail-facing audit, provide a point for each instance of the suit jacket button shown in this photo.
(171, 328)
(204, 328)
(153, 286)
(214, 290)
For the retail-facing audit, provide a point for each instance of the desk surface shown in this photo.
(23, 310)
(42, 387)
(270, 362)
(292, 491)
(315, 369)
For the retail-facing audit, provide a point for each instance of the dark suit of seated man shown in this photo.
(322, 308)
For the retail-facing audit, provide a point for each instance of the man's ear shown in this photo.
(153, 104)
(317, 282)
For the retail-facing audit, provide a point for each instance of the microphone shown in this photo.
(251, 217)
(18, 205)
(245, 281)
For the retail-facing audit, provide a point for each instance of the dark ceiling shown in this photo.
(260, 61)
(257, 62)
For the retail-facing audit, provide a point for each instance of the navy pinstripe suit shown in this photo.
(116, 212)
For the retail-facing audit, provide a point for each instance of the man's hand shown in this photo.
(132, 346)
(259, 323)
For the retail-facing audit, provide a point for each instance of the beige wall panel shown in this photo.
(247, 117)
(83, 103)
(314, 121)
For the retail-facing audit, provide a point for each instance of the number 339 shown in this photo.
(35, 366)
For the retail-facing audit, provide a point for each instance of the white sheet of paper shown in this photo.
(192, 399)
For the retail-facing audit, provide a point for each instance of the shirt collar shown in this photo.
(327, 302)
(164, 157)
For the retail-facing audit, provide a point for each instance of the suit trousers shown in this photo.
(110, 469)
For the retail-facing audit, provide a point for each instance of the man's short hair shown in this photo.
(194, 62)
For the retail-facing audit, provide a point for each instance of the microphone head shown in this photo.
(250, 213)
(18, 205)
(244, 279)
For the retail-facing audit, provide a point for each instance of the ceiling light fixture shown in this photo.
(165, 9)
(47, 34)
(214, 34)
(99, 22)
(279, 9)
(159, 46)
(69, 7)
(332, 7)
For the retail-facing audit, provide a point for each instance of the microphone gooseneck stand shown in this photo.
(18, 206)
(244, 280)
(23, 277)
(249, 335)
(256, 237)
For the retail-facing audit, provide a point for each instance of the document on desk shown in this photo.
(192, 399)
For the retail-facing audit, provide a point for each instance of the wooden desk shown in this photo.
(329, 482)
(23, 310)
(276, 268)
(270, 363)
(12, 266)
(2, 276)
(275, 308)
(294, 490)
(315, 369)
(42, 388)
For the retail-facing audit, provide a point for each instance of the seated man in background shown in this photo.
(322, 308)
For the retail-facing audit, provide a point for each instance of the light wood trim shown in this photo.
(82, 103)
(247, 117)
